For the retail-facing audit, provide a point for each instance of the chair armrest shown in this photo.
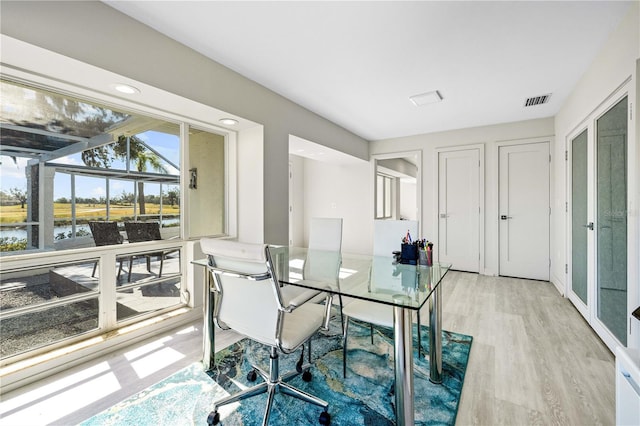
(295, 297)
(301, 298)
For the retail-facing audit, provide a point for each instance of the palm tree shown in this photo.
(142, 158)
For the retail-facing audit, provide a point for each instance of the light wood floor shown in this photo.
(533, 361)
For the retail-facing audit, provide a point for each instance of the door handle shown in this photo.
(443, 215)
(589, 225)
(505, 217)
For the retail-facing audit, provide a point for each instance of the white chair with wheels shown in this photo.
(387, 238)
(250, 301)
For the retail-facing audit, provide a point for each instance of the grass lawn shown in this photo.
(15, 214)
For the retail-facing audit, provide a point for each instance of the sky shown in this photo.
(12, 174)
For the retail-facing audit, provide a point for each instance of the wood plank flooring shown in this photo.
(534, 360)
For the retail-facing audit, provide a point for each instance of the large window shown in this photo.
(66, 162)
(79, 174)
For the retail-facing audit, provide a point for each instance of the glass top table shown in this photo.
(404, 288)
(373, 278)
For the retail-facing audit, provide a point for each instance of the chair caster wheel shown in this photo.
(214, 418)
(252, 376)
(325, 418)
(306, 376)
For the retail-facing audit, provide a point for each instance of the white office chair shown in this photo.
(250, 301)
(324, 257)
(387, 238)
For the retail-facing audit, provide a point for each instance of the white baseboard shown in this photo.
(558, 283)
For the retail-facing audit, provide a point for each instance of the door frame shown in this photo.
(626, 88)
(481, 196)
(393, 155)
(568, 293)
(496, 220)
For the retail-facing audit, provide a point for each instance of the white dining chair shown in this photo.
(324, 258)
(387, 238)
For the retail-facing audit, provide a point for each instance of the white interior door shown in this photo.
(524, 210)
(580, 214)
(598, 258)
(459, 209)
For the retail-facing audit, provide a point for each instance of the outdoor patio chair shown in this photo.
(146, 231)
(105, 234)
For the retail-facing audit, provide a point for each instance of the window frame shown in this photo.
(32, 259)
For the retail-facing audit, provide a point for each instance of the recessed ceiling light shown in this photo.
(426, 98)
(229, 121)
(125, 88)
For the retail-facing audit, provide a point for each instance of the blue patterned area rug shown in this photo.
(364, 398)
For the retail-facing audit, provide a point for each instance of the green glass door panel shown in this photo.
(579, 216)
(611, 237)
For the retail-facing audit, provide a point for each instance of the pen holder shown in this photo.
(425, 257)
(409, 254)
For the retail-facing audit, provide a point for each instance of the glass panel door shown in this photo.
(611, 237)
(579, 219)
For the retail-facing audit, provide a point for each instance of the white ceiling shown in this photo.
(357, 63)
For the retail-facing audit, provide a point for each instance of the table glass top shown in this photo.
(374, 278)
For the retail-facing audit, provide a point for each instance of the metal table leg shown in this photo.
(403, 335)
(208, 334)
(435, 336)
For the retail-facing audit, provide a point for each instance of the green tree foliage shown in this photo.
(140, 155)
(173, 196)
(20, 195)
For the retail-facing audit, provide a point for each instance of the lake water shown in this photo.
(21, 233)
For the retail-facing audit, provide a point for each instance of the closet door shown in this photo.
(598, 188)
(611, 220)
(523, 199)
(580, 225)
(459, 209)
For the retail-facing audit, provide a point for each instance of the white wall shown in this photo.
(487, 135)
(616, 62)
(97, 34)
(296, 199)
(408, 200)
(206, 212)
(336, 190)
(250, 193)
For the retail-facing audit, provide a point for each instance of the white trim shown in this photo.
(568, 287)
(185, 194)
(400, 154)
(231, 184)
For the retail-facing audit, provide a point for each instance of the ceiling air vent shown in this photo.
(537, 100)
